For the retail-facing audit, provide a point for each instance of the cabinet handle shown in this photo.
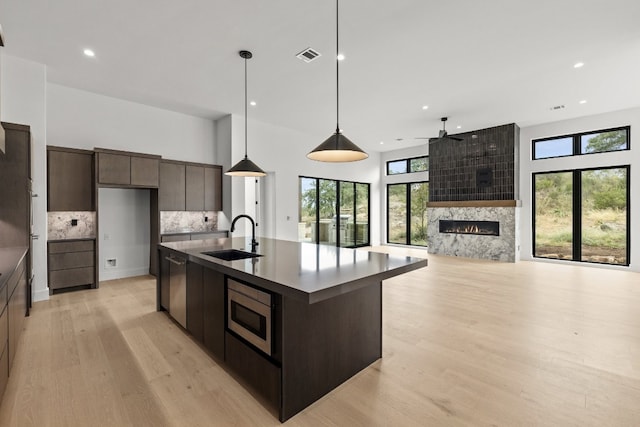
(174, 261)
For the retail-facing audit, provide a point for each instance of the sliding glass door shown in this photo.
(582, 215)
(333, 212)
(407, 213)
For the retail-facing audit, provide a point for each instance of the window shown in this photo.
(415, 164)
(333, 212)
(407, 213)
(582, 215)
(582, 143)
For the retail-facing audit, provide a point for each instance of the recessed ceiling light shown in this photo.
(381, 142)
(578, 65)
(253, 103)
(458, 127)
(89, 53)
(340, 57)
(584, 101)
(425, 107)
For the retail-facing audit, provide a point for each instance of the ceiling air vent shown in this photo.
(308, 54)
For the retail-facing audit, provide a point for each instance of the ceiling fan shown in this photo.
(442, 134)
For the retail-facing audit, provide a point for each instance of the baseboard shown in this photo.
(123, 273)
(40, 295)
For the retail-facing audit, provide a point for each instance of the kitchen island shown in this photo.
(323, 322)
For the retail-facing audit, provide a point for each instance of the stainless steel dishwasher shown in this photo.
(178, 288)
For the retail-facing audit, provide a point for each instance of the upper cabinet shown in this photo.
(194, 196)
(2, 134)
(171, 195)
(213, 188)
(70, 182)
(123, 169)
(190, 187)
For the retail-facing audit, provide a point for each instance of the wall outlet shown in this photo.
(111, 263)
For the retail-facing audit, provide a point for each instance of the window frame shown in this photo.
(407, 213)
(577, 146)
(337, 209)
(408, 165)
(577, 213)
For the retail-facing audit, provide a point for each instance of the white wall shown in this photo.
(629, 117)
(283, 151)
(124, 232)
(80, 119)
(406, 153)
(24, 102)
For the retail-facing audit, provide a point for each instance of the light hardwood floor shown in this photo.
(466, 342)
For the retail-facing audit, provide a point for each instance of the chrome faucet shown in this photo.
(253, 229)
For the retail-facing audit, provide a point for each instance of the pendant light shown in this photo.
(337, 148)
(245, 167)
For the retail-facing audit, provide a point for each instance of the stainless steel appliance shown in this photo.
(249, 314)
(178, 289)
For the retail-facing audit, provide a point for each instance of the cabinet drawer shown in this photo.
(71, 277)
(71, 260)
(71, 246)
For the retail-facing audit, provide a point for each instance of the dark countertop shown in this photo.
(9, 260)
(177, 233)
(304, 271)
(70, 239)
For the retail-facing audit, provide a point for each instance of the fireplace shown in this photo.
(480, 228)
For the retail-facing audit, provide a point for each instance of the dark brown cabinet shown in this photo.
(71, 263)
(213, 188)
(214, 311)
(16, 308)
(205, 305)
(15, 197)
(70, 180)
(195, 306)
(190, 186)
(114, 169)
(145, 171)
(13, 309)
(124, 169)
(171, 193)
(194, 200)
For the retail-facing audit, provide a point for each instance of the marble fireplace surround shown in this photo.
(505, 247)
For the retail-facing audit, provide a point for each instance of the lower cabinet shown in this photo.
(214, 312)
(263, 375)
(13, 309)
(205, 307)
(71, 263)
(4, 349)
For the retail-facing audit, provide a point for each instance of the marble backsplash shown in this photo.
(187, 221)
(505, 247)
(59, 225)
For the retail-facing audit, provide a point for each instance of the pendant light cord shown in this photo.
(245, 107)
(337, 72)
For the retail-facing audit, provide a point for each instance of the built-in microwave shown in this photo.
(249, 314)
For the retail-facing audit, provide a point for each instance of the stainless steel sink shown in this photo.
(231, 254)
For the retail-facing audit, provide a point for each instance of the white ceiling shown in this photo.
(482, 63)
